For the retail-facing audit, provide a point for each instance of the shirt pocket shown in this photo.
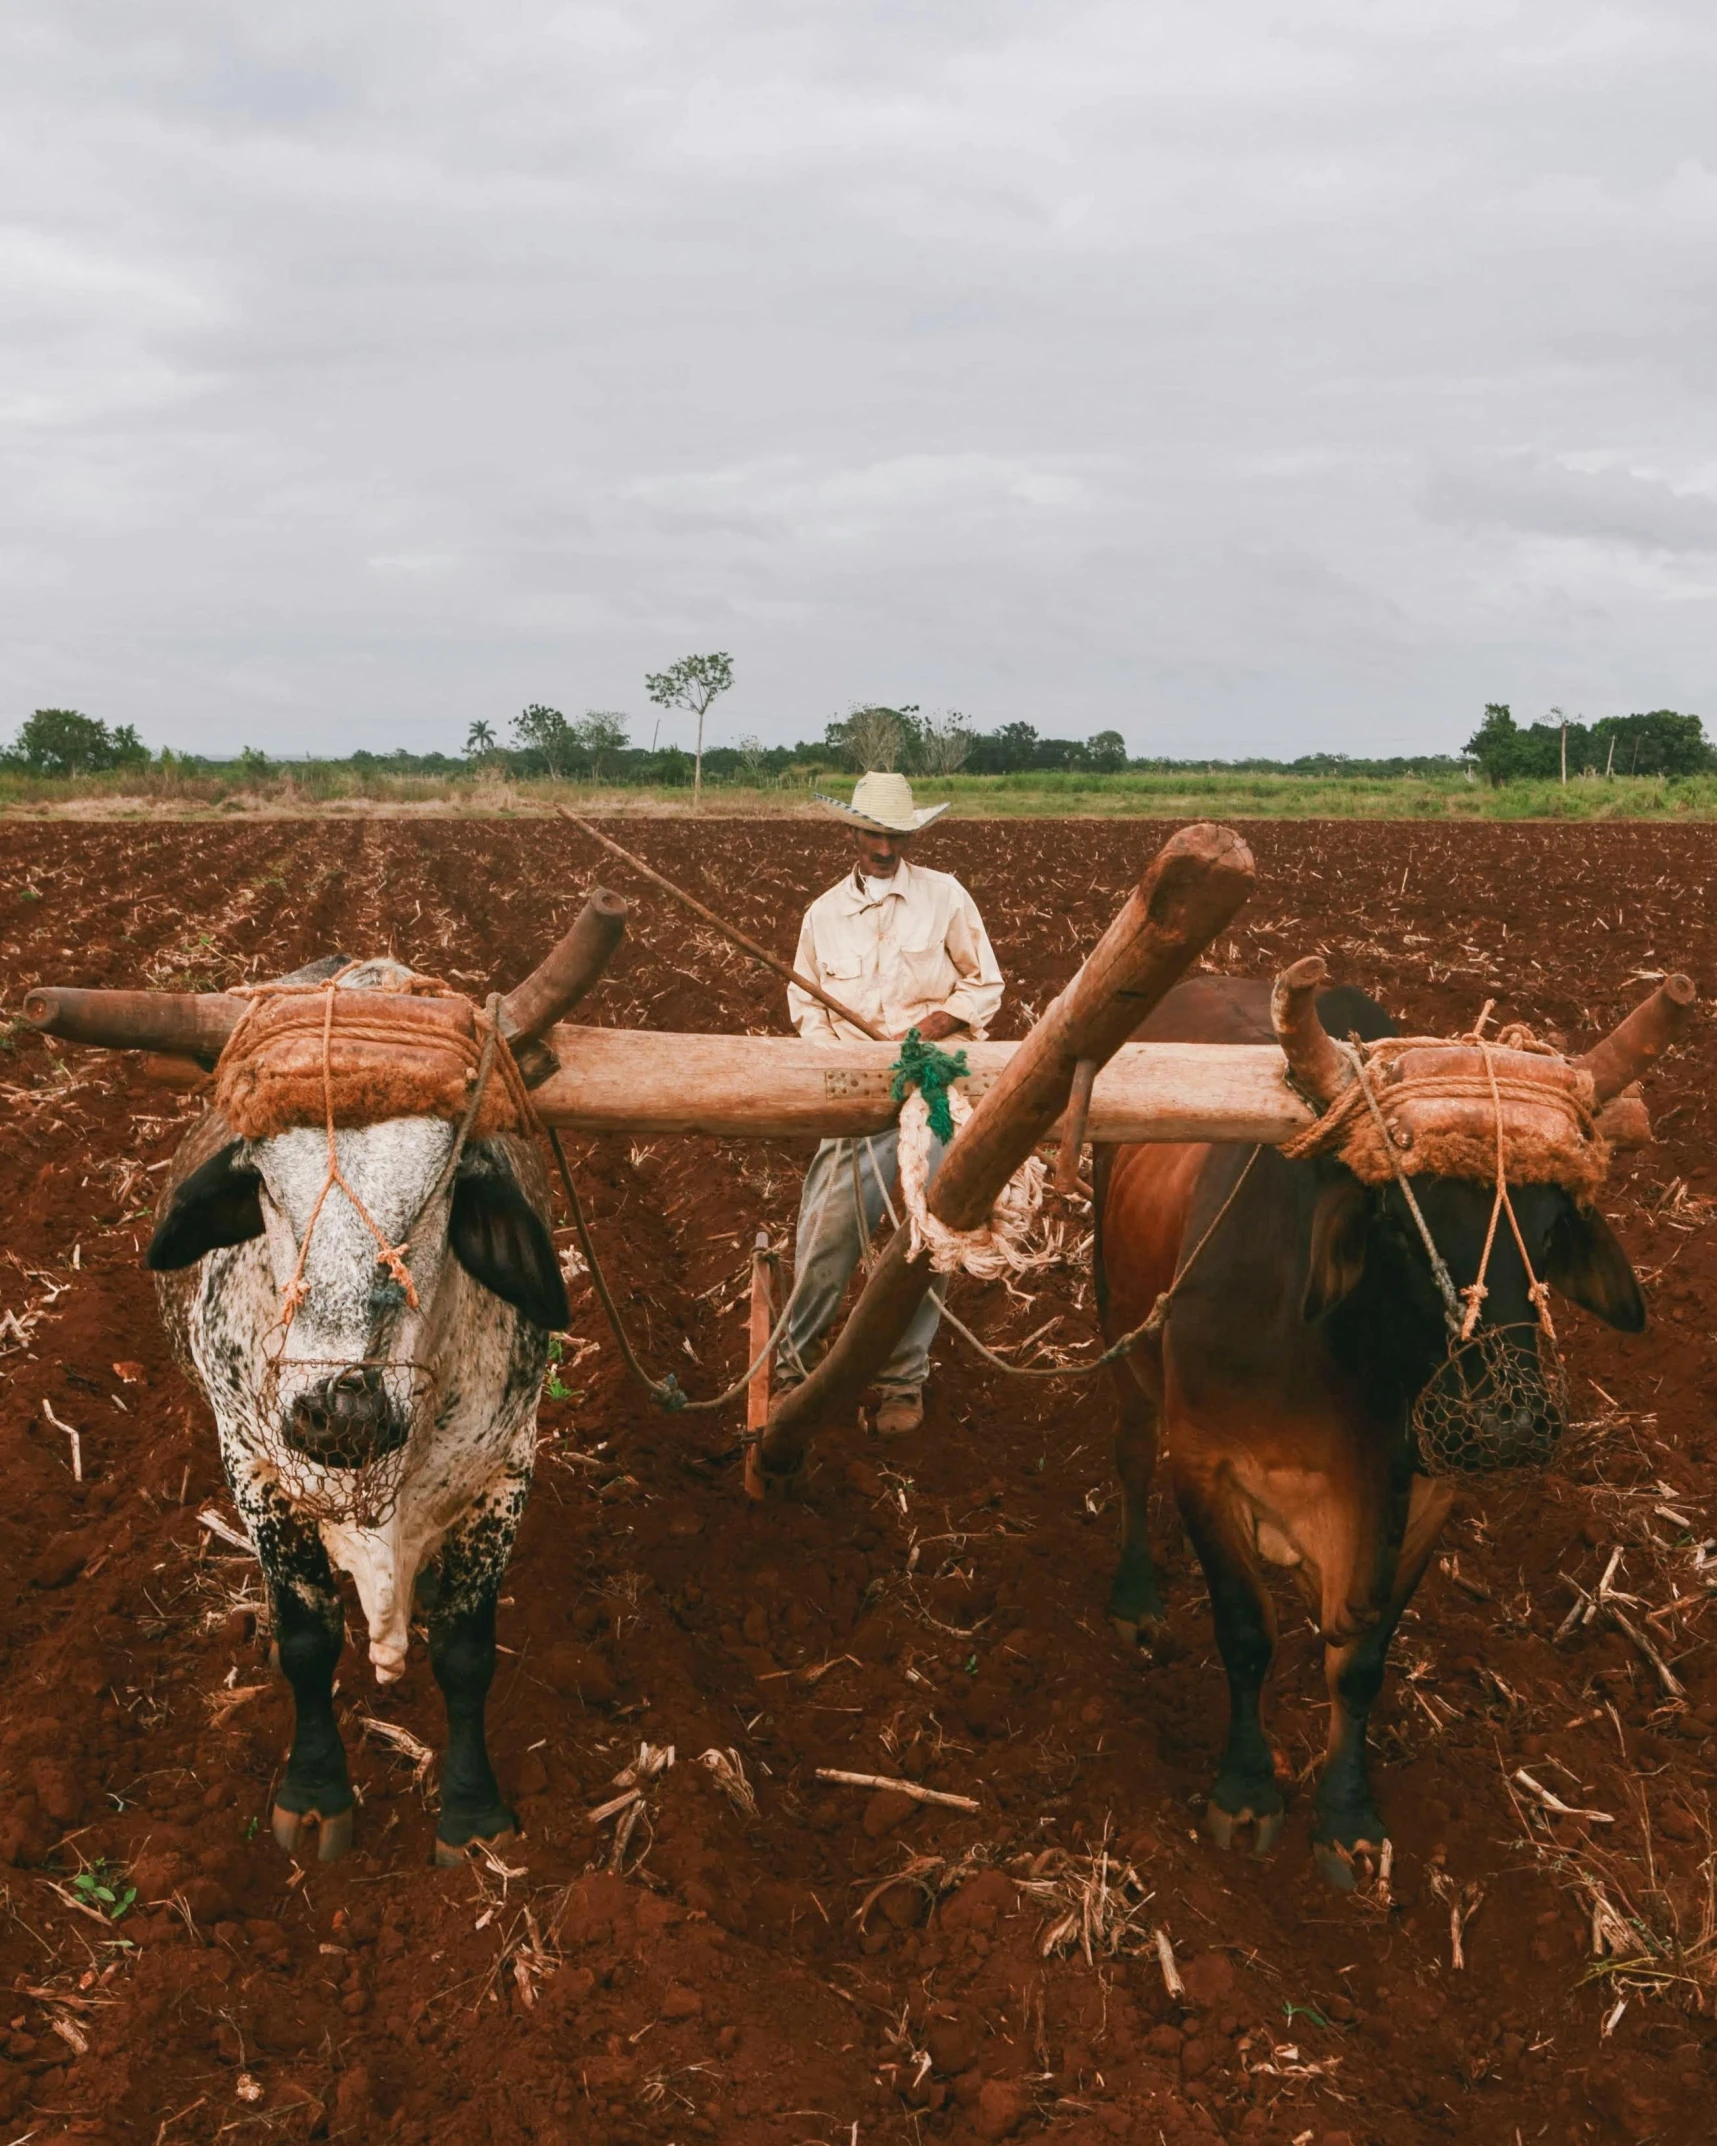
(927, 970)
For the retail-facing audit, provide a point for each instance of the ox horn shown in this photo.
(570, 968)
(1315, 1066)
(183, 1024)
(1641, 1039)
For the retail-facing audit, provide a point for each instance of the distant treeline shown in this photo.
(1660, 742)
(62, 742)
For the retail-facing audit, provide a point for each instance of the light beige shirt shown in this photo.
(917, 948)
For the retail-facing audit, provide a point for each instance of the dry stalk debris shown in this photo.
(914, 1789)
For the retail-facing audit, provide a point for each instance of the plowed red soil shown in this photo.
(935, 1611)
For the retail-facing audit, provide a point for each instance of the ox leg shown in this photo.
(1135, 1605)
(1245, 1619)
(462, 1651)
(1347, 1829)
(310, 1632)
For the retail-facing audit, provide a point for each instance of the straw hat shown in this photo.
(883, 801)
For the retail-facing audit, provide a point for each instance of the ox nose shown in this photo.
(1499, 1402)
(346, 1421)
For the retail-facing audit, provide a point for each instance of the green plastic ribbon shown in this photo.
(930, 1070)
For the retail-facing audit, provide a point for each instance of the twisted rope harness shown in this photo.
(931, 1108)
(1512, 1109)
(313, 1053)
(1509, 1109)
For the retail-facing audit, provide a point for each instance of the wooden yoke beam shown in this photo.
(650, 1082)
(1194, 886)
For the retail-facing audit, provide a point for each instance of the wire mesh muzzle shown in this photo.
(343, 1470)
(1497, 1401)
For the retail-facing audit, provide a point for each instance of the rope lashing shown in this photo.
(318, 1054)
(1148, 1327)
(1439, 1268)
(931, 1108)
(1482, 1410)
(932, 1071)
(1435, 1106)
(1575, 1147)
(390, 1256)
(1475, 1291)
(265, 1085)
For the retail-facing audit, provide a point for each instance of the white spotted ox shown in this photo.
(372, 1341)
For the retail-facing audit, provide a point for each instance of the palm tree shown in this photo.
(480, 738)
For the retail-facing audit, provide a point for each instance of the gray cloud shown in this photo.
(1533, 494)
(1246, 378)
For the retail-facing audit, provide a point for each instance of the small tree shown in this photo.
(129, 749)
(546, 731)
(750, 750)
(692, 683)
(1106, 752)
(1496, 744)
(943, 742)
(870, 738)
(479, 741)
(602, 730)
(61, 741)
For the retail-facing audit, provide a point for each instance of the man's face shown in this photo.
(880, 853)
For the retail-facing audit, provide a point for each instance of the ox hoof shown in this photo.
(292, 1830)
(1347, 1869)
(1145, 1635)
(1223, 1825)
(453, 1855)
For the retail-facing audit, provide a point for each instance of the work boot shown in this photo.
(900, 1414)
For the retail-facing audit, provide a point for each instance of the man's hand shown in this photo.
(935, 1027)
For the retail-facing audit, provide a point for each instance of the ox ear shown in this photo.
(1340, 1223)
(220, 1203)
(499, 1239)
(1587, 1263)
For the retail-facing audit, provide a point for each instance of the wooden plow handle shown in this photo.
(728, 931)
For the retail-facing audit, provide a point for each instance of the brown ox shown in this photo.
(1280, 1387)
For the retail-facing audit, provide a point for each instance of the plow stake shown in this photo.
(762, 1325)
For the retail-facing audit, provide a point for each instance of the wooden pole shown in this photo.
(728, 931)
(184, 1024)
(651, 1082)
(570, 969)
(1197, 881)
(1073, 1124)
(762, 1326)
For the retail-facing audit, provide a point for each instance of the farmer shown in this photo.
(905, 947)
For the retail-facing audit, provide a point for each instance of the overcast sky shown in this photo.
(1245, 375)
